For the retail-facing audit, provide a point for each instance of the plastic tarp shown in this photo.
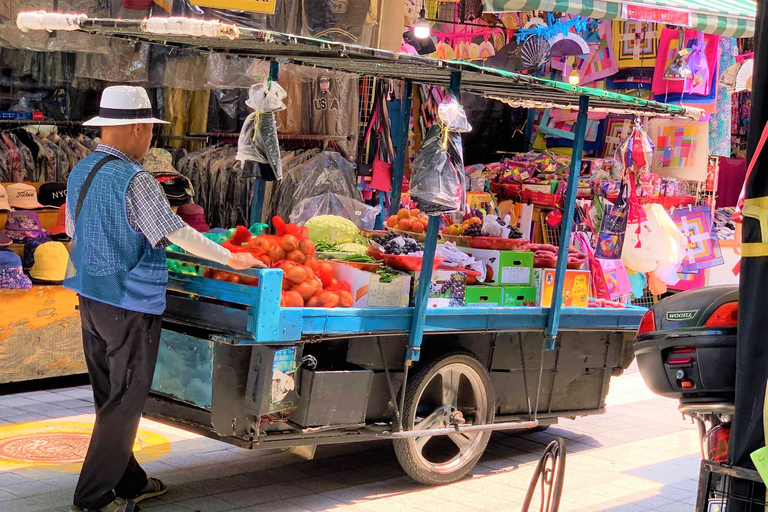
(323, 173)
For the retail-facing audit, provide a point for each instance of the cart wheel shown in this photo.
(547, 483)
(449, 389)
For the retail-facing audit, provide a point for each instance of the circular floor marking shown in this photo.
(60, 447)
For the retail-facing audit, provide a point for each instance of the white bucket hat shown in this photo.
(124, 104)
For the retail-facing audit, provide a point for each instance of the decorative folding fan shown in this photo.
(486, 50)
(744, 77)
(566, 45)
(508, 57)
(536, 52)
(728, 78)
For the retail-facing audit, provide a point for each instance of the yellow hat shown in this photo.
(50, 263)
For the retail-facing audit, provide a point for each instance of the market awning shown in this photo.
(512, 88)
(733, 18)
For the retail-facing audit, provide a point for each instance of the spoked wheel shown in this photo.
(454, 389)
(547, 483)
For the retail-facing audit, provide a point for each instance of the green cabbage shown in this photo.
(331, 228)
(354, 248)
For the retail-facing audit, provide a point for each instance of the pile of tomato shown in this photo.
(306, 281)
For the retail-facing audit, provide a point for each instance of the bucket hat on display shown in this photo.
(124, 104)
(11, 274)
(193, 215)
(50, 266)
(59, 230)
(23, 197)
(21, 225)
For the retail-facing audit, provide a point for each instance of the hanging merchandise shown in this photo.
(616, 130)
(631, 79)
(613, 227)
(744, 76)
(670, 75)
(330, 106)
(635, 44)
(598, 64)
(567, 45)
(535, 53)
(636, 151)
(681, 148)
(702, 248)
(720, 122)
(437, 181)
(700, 72)
(378, 142)
(335, 20)
(258, 137)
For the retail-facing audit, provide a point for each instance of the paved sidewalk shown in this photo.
(639, 456)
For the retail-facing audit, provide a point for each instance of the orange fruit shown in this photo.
(415, 212)
(404, 225)
(417, 227)
(392, 221)
(403, 213)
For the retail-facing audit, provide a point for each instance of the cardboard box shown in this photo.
(490, 296)
(575, 288)
(369, 291)
(515, 296)
(504, 267)
(447, 288)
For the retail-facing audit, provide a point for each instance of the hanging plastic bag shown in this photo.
(361, 214)
(258, 138)
(644, 244)
(437, 181)
(613, 227)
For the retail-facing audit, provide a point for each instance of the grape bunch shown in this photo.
(515, 233)
(473, 230)
(454, 286)
(391, 246)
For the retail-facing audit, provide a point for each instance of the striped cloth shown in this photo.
(732, 18)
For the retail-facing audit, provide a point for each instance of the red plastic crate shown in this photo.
(542, 199)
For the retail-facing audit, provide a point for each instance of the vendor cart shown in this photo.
(236, 366)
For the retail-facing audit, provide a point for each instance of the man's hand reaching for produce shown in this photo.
(244, 260)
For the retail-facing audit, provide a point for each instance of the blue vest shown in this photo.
(109, 261)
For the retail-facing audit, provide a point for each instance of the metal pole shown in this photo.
(259, 186)
(425, 276)
(565, 235)
(402, 149)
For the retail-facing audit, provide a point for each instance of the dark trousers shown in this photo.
(120, 351)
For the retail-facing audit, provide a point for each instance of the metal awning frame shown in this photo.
(512, 88)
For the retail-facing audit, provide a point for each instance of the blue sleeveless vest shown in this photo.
(109, 261)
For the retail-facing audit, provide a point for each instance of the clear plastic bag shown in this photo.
(361, 214)
(258, 138)
(325, 172)
(437, 181)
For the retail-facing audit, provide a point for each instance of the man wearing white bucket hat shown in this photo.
(120, 223)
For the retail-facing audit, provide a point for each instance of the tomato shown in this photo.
(296, 255)
(285, 264)
(220, 275)
(328, 299)
(310, 272)
(234, 278)
(305, 289)
(208, 273)
(287, 285)
(345, 299)
(276, 253)
(289, 243)
(293, 299)
(318, 284)
(307, 247)
(250, 281)
(312, 302)
(296, 275)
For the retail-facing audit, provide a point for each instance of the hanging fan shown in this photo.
(728, 78)
(535, 22)
(536, 52)
(469, 10)
(567, 45)
(744, 77)
(486, 50)
(507, 58)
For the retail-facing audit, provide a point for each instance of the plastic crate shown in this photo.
(542, 199)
